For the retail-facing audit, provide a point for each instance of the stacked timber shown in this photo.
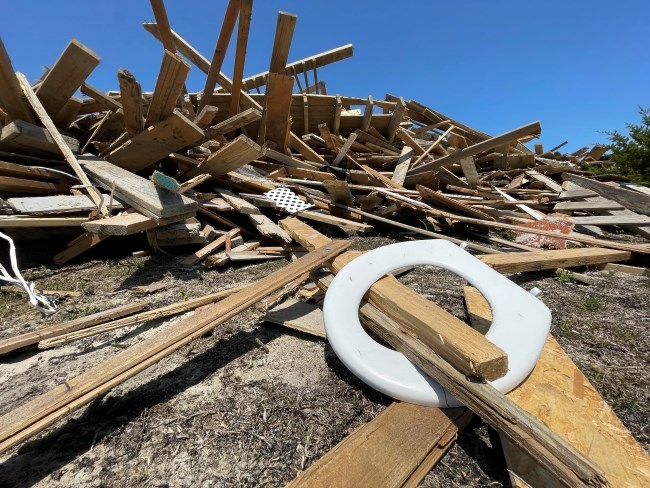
(221, 169)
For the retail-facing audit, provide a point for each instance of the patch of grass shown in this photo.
(563, 275)
(75, 313)
(565, 329)
(593, 304)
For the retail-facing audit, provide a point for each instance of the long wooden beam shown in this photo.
(42, 411)
(534, 128)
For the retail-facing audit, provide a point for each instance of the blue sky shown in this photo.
(579, 67)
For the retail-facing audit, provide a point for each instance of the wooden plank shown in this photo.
(42, 411)
(587, 206)
(298, 315)
(288, 160)
(568, 465)
(78, 246)
(138, 192)
(11, 95)
(396, 119)
(20, 221)
(282, 42)
(632, 200)
(99, 96)
(533, 128)
(469, 170)
(558, 394)
(437, 198)
(66, 77)
(452, 339)
(345, 224)
(169, 86)
(131, 98)
(67, 153)
(407, 139)
(155, 143)
(240, 120)
(34, 337)
(388, 450)
(339, 190)
(25, 185)
(624, 268)
(552, 185)
(623, 219)
(262, 223)
(519, 262)
(344, 149)
(229, 157)
(57, 204)
(129, 223)
(68, 114)
(205, 116)
(25, 138)
(277, 109)
(243, 27)
(205, 251)
(214, 68)
(402, 165)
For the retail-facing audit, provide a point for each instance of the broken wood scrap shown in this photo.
(138, 192)
(65, 77)
(169, 86)
(22, 341)
(78, 246)
(229, 157)
(58, 204)
(153, 144)
(205, 251)
(11, 95)
(26, 138)
(632, 200)
(128, 223)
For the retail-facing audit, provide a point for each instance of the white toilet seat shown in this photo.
(520, 324)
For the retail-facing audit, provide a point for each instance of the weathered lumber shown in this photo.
(65, 150)
(633, 219)
(558, 394)
(11, 95)
(533, 128)
(389, 450)
(344, 149)
(34, 337)
(632, 200)
(25, 185)
(402, 165)
(66, 77)
(520, 262)
(42, 411)
(58, 204)
(451, 338)
(214, 68)
(277, 111)
(345, 224)
(15, 170)
(205, 116)
(339, 190)
(78, 246)
(139, 318)
(128, 223)
(131, 98)
(289, 160)
(169, 86)
(567, 465)
(138, 192)
(229, 157)
(205, 251)
(243, 27)
(587, 205)
(261, 222)
(99, 96)
(20, 221)
(156, 142)
(231, 124)
(298, 315)
(26, 138)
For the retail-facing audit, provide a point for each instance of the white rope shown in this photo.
(39, 301)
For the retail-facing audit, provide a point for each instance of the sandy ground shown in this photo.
(253, 404)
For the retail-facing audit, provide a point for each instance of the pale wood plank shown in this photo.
(229, 157)
(169, 86)
(11, 95)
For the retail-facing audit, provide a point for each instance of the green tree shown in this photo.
(631, 153)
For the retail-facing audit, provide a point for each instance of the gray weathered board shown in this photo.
(138, 192)
(23, 137)
(298, 315)
(58, 204)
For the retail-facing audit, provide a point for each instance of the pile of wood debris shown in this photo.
(222, 169)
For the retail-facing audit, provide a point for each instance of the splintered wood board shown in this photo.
(558, 394)
(157, 142)
(57, 204)
(237, 153)
(298, 315)
(23, 137)
(138, 192)
(388, 451)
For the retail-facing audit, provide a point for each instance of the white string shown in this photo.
(39, 301)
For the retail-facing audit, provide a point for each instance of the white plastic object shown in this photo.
(39, 301)
(535, 291)
(520, 321)
(288, 200)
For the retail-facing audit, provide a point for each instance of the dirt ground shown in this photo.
(254, 404)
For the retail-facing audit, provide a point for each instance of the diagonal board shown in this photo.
(138, 192)
(558, 394)
(157, 142)
(229, 157)
(34, 416)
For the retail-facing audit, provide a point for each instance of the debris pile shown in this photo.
(237, 169)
